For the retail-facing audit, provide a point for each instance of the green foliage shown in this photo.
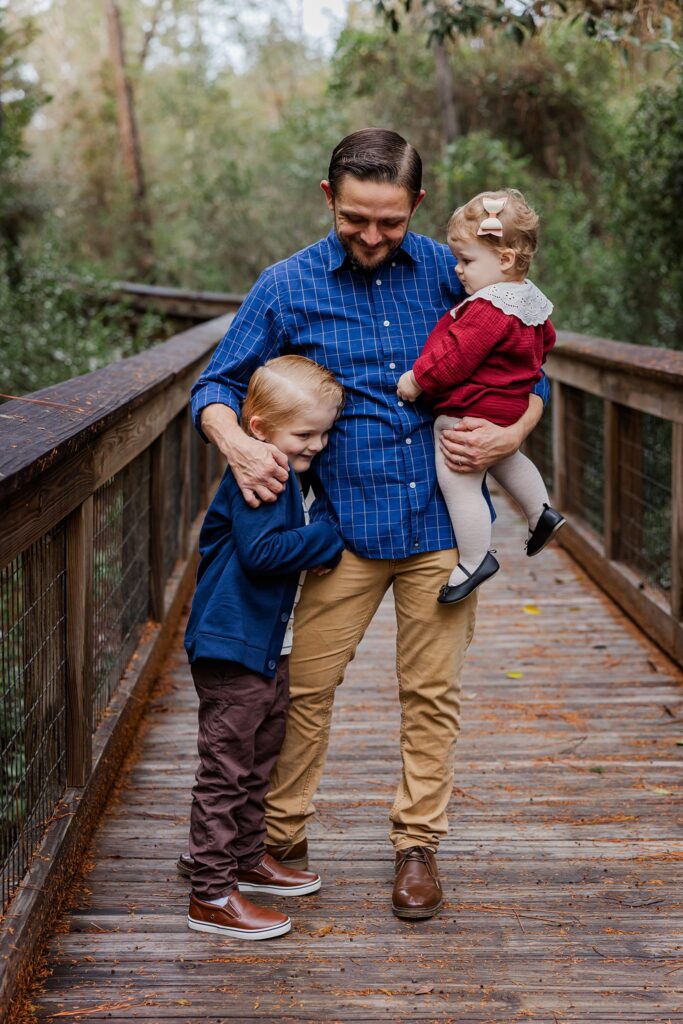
(627, 23)
(51, 330)
(648, 225)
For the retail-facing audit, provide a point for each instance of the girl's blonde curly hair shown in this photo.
(520, 226)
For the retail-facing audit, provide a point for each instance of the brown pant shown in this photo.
(241, 727)
(329, 623)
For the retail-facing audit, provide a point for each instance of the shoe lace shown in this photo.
(418, 853)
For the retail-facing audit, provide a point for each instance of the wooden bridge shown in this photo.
(562, 869)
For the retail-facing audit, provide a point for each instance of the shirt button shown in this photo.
(393, 264)
(386, 323)
(409, 440)
(400, 402)
(378, 282)
(413, 484)
(284, 617)
(271, 664)
(392, 366)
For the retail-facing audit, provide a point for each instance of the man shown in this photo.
(361, 302)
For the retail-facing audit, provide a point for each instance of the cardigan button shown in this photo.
(271, 664)
(284, 617)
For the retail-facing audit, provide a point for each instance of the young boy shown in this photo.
(238, 637)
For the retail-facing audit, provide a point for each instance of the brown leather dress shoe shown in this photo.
(239, 918)
(272, 877)
(417, 889)
(294, 855)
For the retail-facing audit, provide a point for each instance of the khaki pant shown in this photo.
(330, 620)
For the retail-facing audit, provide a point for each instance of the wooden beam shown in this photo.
(79, 646)
(559, 446)
(184, 468)
(52, 425)
(677, 522)
(157, 523)
(611, 480)
(646, 605)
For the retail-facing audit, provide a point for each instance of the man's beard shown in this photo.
(362, 264)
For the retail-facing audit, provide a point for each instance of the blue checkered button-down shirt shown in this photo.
(377, 471)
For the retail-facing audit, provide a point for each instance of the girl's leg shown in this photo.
(467, 507)
(523, 482)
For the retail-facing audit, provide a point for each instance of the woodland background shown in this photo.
(181, 142)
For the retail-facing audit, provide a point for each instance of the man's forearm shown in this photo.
(219, 424)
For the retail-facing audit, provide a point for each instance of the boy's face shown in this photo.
(303, 437)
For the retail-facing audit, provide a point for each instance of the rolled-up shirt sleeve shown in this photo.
(256, 334)
(542, 389)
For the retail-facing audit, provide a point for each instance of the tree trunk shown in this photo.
(130, 139)
(445, 90)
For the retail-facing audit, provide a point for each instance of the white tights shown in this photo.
(468, 508)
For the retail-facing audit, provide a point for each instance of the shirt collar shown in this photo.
(409, 251)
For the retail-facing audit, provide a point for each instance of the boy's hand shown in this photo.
(408, 389)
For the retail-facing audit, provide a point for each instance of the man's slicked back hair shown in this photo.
(376, 154)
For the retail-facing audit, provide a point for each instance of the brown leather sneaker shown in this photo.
(417, 889)
(272, 877)
(239, 918)
(294, 855)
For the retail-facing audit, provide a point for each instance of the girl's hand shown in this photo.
(408, 389)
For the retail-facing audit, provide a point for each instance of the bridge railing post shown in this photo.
(79, 642)
(677, 521)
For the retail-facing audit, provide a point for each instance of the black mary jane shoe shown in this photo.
(487, 567)
(545, 529)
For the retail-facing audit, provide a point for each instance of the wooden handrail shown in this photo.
(634, 387)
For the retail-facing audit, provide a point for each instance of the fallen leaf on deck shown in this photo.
(423, 990)
(659, 790)
(325, 930)
(532, 609)
(515, 675)
(597, 769)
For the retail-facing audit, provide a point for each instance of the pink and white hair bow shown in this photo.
(492, 225)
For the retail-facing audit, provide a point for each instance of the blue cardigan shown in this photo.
(251, 559)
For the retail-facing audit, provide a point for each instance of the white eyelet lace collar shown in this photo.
(521, 299)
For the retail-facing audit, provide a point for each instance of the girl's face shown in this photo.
(479, 265)
(303, 437)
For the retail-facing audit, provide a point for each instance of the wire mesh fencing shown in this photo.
(120, 575)
(645, 500)
(584, 427)
(32, 705)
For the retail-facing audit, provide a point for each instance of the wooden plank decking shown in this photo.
(562, 869)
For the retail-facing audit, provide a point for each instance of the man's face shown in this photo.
(370, 218)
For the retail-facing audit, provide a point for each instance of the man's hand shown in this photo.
(261, 469)
(476, 444)
(408, 389)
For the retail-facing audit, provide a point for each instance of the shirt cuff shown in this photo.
(542, 389)
(212, 394)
